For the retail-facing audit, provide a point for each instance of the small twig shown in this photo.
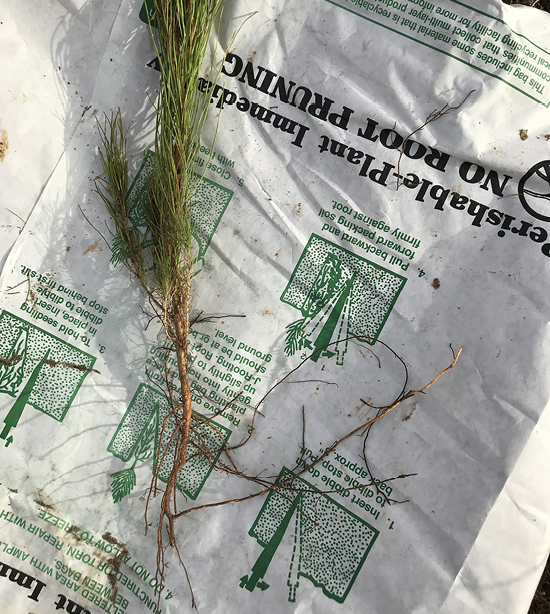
(151, 318)
(327, 451)
(207, 319)
(67, 365)
(15, 358)
(307, 381)
(432, 117)
(16, 286)
(13, 213)
(281, 485)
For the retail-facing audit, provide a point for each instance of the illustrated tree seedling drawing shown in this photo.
(330, 542)
(42, 371)
(138, 437)
(339, 295)
(211, 202)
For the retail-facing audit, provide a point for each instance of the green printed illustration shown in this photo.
(38, 369)
(137, 437)
(330, 542)
(340, 295)
(210, 201)
(147, 11)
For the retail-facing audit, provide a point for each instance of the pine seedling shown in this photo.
(162, 257)
(159, 253)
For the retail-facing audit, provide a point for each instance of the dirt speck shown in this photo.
(298, 209)
(12, 360)
(4, 145)
(31, 298)
(267, 312)
(115, 563)
(74, 533)
(409, 415)
(94, 247)
(68, 365)
(353, 412)
(547, 137)
(523, 135)
(436, 283)
(277, 253)
(45, 501)
(13, 490)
